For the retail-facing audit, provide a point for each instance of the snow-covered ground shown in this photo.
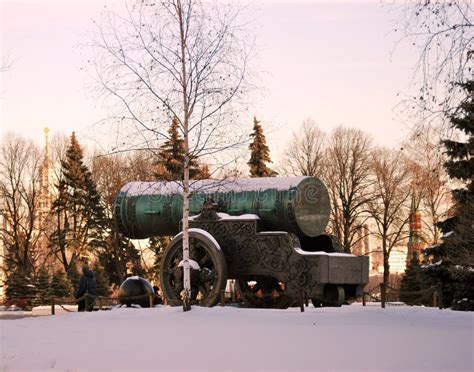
(351, 338)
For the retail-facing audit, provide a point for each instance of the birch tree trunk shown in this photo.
(186, 276)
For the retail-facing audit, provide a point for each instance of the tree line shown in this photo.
(369, 185)
(382, 187)
(51, 226)
(365, 183)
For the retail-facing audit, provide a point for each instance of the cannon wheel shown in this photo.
(259, 291)
(206, 281)
(333, 296)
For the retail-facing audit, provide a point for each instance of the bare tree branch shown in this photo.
(389, 208)
(21, 231)
(443, 32)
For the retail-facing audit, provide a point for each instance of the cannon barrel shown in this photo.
(298, 205)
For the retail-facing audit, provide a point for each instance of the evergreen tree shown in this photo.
(171, 164)
(79, 216)
(460, 166)
(411, 282)
(461, 163)
(19, 285)
(43, 286)
(463, 297)
(61, 285)
(102, 281)
(259, 153)
(452, 262)
(119, 253)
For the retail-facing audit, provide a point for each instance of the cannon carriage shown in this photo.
(266, 233)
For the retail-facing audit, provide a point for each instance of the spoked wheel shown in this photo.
(333, 296)
(263, 292)
(207, 266)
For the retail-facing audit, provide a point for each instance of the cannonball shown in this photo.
(133, 287)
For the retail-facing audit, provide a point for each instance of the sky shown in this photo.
(334, 62)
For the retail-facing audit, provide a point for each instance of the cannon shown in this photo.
(265, 233)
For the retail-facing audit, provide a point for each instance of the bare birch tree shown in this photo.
(186, 59)
(443, 33)
(347, 176)
(20, 162)
(430, 181)
(388, 208)
(304, 154)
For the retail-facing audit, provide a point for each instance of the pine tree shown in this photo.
(452, 261)
(43, 286)
(259, 153)
(102, 281)
(20, 290)
(61, 285)
(461, 163)
(170, 167)
(411, 282)
(79, 216)
(19, 285)
(460, 166)
(119, 253)
(463, 297)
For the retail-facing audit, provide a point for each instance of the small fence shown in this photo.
(105, 303)
(94, 302)
(386, 292)
(102, 302)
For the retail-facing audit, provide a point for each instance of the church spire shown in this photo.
(46, 145)
(45, 180)
(414, 241)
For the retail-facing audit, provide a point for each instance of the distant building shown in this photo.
(414, 241)
(376, 260)
(46, 183)
(396, 260)
(362, 244)
(45, 202)
(369, 244)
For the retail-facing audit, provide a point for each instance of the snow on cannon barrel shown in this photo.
(266, 233)
(135, 291)
(299, 205)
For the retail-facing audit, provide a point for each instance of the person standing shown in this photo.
(87, 284)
